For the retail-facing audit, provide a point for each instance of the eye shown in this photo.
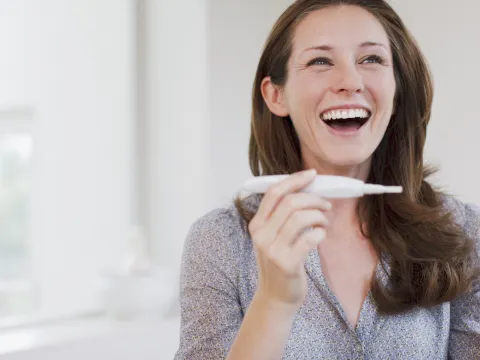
(320, 61)
(373, 59)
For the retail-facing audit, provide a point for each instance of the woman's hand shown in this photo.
(287, 226)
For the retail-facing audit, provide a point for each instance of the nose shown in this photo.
(349, 81)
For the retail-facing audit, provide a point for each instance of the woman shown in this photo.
(342, 89)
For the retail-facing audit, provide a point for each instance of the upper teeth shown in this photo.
(345, 114)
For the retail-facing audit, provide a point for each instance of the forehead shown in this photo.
(340, 26)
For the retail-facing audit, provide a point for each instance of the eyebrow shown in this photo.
(372, 43)
(329, 47)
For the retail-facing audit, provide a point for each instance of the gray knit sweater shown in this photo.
(218, 281)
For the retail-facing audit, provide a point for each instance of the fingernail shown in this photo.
(310, 172)
(321, 234)
(318, 236)
(314, 239)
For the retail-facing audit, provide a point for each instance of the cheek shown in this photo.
(306, 91)
(383, 88)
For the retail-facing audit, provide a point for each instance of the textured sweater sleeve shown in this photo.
(464, 341)
(210, 308)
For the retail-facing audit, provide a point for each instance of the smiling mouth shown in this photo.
(346, 119)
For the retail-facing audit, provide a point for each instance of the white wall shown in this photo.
(176, 121)
(449, 40)
(237, 31)
(13, 90)
(200, 59)
(80, 80)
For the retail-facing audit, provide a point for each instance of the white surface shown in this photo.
(93, 339)
(79, 76)
(177, 121)
(13, 90)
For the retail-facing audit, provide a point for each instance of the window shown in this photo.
(16, 151)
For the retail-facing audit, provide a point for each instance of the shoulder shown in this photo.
(466, 215)
(220, 233)
(222, 221)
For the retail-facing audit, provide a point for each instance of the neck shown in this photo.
(343, 217)
(357, 171)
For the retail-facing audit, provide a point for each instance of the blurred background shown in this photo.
(123, 121)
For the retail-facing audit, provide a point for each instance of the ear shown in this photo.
(274, 97)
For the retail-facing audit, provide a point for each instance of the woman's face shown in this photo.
(340, 88)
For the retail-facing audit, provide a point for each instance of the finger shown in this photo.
(298, 223)
(306, 243)
(292, 204)
(290, 216)
(289, 259)
(275, 193)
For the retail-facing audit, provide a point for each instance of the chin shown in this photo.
(348, 160)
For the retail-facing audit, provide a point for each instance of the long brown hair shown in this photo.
(430, 257)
